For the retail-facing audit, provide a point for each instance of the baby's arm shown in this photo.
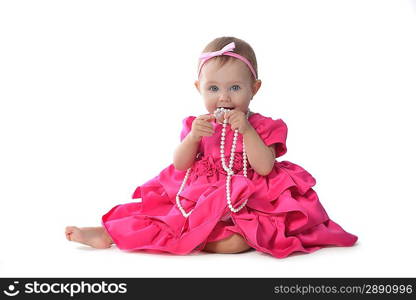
(260, 156)
(185, 153)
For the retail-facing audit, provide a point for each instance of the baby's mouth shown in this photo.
(219, 113)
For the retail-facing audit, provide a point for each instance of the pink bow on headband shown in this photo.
(229, 47)
(226, 50)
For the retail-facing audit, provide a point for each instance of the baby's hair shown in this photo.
(241, 47)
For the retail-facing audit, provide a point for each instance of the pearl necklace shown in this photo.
(228, 169)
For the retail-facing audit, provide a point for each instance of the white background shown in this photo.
(93, 94)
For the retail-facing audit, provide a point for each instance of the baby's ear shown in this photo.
(196, 83)
(256, 86)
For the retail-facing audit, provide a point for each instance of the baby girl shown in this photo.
(225, 191)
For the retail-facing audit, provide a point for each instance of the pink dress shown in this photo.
(283, 214)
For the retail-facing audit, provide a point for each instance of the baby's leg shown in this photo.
(232, 244)
(96, 237)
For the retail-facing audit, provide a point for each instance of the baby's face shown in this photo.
(228, 86)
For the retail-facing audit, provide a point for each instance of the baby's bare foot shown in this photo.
(95, 237)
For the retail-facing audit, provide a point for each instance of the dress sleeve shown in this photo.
(273, 132)
(186, 126)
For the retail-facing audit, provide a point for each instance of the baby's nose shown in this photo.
(224, 96)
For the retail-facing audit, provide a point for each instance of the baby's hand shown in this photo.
(238, 120)
(201, 126)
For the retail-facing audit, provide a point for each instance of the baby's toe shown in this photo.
(69, 231)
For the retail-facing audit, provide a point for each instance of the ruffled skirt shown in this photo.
(283, 214)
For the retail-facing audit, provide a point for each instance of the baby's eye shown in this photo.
(213, 88)
(235, 87)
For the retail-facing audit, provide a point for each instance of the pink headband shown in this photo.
(225, 51)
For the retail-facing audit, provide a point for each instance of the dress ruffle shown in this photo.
(159, 225)
(284, 215)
